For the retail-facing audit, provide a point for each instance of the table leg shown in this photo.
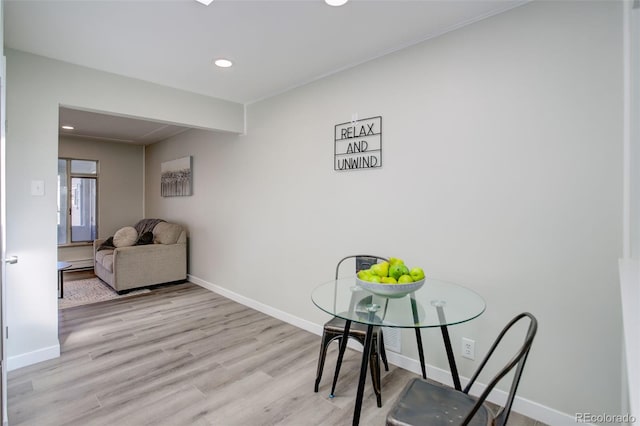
(421, 353)
(447, 346)
(363, 375)
(452, 361)
(416, 320)
(343, 348)
(61, 280)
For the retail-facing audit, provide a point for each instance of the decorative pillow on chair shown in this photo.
(166, 233)
(125, 237)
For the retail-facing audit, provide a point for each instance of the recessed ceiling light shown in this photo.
(223, 63)
(205, 2)
(335, 2)
(66, 127)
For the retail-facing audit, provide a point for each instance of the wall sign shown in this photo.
(358, 144)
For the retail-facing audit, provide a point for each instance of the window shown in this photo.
(77, 200)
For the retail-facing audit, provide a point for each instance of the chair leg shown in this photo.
(323, 354)
(383, 353)
(374, 363)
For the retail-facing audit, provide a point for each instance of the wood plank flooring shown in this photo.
(183, 355)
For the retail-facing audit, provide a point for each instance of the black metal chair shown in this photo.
(424, 402)
(334, 330)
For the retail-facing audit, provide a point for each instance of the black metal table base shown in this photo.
(452, 361)
(363, 375)
(366, 353)
(365, 360)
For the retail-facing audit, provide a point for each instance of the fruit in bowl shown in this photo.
(391, 272)
(391, 279)
(417, 274)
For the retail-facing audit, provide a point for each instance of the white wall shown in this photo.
(38, 86)
(502, 171)
(120, 186)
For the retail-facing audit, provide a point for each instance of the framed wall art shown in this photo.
(175, 177)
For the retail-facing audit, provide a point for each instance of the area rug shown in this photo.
(91, 290)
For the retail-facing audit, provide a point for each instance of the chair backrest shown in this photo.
(361, 260)
(517, 361)
(356, 256)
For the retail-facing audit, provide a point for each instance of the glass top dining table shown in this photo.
(436, 304)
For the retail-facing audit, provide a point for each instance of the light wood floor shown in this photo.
(183, 355)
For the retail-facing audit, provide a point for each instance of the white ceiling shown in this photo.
(275, 45)
(93, 125)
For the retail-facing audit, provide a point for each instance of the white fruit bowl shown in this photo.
(390, 290)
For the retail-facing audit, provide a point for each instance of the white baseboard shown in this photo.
(23, 360)
(258, 306)
(521, 405)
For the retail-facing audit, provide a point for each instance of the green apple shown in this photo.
(364, 275)
(388, 280)
(397, 270)
(381, 269)
(405, 279)
(417, 274)
(394, 260)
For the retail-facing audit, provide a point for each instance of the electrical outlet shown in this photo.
(468, 348)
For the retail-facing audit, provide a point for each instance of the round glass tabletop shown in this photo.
(437, 303)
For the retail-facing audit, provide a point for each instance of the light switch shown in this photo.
(37, 188)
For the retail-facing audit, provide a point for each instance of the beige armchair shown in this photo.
(133, 266)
